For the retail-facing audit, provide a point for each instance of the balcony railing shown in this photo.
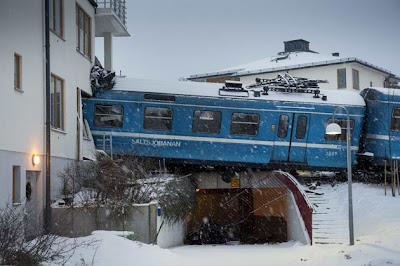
(118, 6)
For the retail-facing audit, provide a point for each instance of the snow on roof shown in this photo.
(386, 91)
(286, 61)
(203, 89)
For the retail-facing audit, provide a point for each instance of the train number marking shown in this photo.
(331, 153)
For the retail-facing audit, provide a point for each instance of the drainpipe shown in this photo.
(47, 220)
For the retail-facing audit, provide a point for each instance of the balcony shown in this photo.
(111, 18)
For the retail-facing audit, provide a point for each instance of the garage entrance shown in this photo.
(262, 210)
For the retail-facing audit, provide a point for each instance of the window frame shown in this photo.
(169, 125)
(286, 126)
(95, 123)
(86, 50)
(395, 123)
(356, 79)
(345, 78)
(342, 122)
(304, 129)
(53, 17)
(196, 127)
(247, 123)
(17, 72)
(16, 184)
(54, 114)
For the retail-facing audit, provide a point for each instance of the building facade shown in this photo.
(299, 61)
(23, 90)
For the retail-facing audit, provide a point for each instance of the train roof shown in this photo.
(382, 94)
(203, 89)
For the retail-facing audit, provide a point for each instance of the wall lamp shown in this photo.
(35, 159)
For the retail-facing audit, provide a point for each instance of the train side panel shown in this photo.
(250, 132)
(382, 130)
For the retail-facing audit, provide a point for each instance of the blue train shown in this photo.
(213, 124)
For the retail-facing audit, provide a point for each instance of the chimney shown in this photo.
(299, 45)
(335, 54)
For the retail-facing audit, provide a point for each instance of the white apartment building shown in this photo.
(299, 61)
(74, 24)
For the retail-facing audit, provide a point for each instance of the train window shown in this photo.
(301, 127)
(245, 124)
(396, 119)
(343, 124)
(108, 115)
(208, 122)
(157, 118)
(283, 126)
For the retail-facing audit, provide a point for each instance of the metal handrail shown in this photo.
(118, 6)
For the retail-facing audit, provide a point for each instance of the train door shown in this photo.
(298, 140)
(282, 137)
(291, 137)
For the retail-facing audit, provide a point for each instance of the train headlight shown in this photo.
(333, 129)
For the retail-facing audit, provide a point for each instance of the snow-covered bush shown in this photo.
(178, 199)
(16, 250)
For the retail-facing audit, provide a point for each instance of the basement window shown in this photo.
(16, 182)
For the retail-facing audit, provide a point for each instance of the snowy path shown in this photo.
(377, 235)
(330, 216)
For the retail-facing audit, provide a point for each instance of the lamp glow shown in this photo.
(35, 159)
(333, 129)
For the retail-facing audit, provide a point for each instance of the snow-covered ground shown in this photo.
(377, 232)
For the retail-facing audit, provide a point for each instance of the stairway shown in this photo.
(330, 216)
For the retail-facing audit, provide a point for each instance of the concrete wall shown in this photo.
(170, 235)
(8, 159)
(295, 224)
(82, 221)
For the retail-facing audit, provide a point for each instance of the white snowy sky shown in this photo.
(178, 38)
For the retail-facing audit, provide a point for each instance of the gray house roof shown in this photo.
(287, 61)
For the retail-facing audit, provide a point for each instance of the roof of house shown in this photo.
(288, 61)
(205, 89)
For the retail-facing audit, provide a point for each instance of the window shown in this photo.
(83, 32)
(85, 130)
(356, 79)
(396, 119)
(108, 115)
(156, 118)
(57, 102)
(301, 127)
(208, 122)
(341, 78)
(17, 71)
(56, 17)
(16, 184)
(283, 126)
(244, 124)
(343, 124)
